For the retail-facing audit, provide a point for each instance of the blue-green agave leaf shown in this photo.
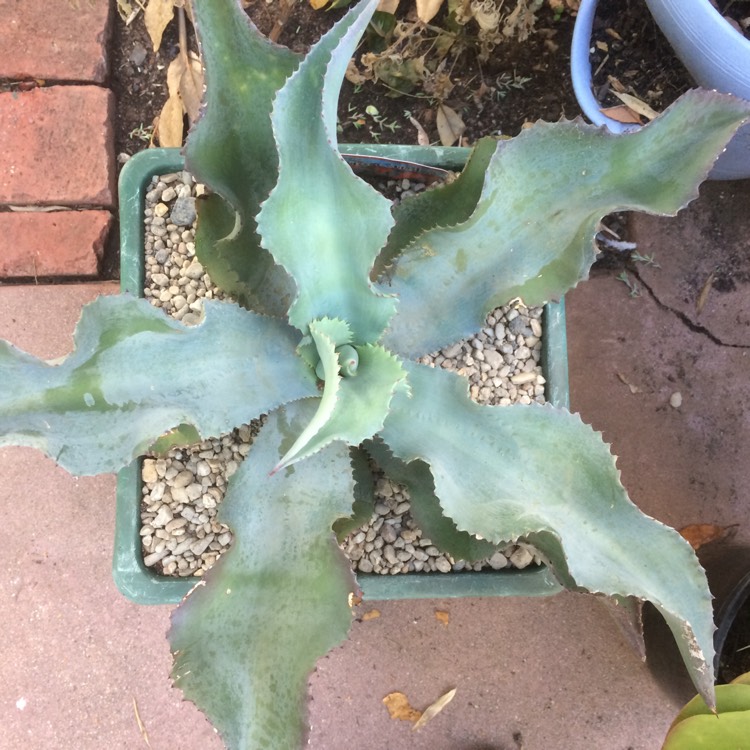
(448, 204)
(246, 638)
(136, 374)
(364, 495)
(351, 408)
(231, 253)
(425, 507)
(323, 224)
(323, 333)
(538, 472)
(531, 235)
(231, 149)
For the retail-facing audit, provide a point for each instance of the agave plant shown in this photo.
(336, 297)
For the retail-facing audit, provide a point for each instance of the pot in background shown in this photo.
(716, 55)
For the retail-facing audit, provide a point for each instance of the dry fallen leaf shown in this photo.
(156, 17)
(373, 614)
(169, 127)
(699, 534)
(353, 74)
(705, 291)
(388, 6)
(427, 9)
(442, 617)
(191, 86)
(127, 12)
(141, 725)
(432, 711)
(633, 388)
(449, 124)
(422, 138)
(399, 707)
(622, 113)
(634, 103)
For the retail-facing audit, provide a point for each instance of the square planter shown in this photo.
(144, 586)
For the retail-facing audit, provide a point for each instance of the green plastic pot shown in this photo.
(144, 586)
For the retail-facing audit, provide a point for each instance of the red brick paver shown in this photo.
(56, 147)
(63, 40)
(59, 243)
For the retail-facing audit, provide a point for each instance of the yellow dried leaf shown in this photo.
(156, 17)
(442, 617)
(141, 725)
(634, 103)
(191, 86)
(422, 138)
(126, 11)
(170, 127)
(432, 711)
(449, 124)
(388, 6)
(318, 4)
(427, 9)
(399, 707)
(705, 291)
(373, 614)
(174, 73)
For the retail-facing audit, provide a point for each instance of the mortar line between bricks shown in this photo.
(53, 281)
(34, 83)
(41, 208)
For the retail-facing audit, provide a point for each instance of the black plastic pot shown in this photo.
(732, 637)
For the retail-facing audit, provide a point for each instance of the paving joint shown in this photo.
(690, 324)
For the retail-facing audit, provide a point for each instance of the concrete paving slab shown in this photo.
(537, 674)
(682, 465)
(77, 654)
(703, 258)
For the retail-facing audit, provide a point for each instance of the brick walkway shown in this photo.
(57, 172)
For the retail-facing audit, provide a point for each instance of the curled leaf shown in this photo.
(170, 127)
(699, 534)
(156, 17)
(427, 9)
(442, 617)
(399, 707)
(632, 102)
(433, 710)
(621, 113)
(449, 124)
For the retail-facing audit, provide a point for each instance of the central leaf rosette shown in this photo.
(359, 383)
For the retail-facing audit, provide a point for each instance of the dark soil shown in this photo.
(631, 54)
(640, 59)
(488, 96)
